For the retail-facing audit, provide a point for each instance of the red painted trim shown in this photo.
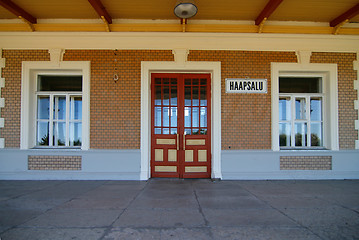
(18, 11)
(101, 10)
(180, 163)
(271, 6)
(347, 15)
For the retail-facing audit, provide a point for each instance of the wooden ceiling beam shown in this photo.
(18, 11)
(267, 11)
(345, 17)
(101, 10)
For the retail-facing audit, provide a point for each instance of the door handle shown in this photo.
(184, 141)
(177, 141)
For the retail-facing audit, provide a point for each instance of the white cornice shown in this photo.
(192, 41)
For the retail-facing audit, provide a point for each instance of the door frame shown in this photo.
(180, 65)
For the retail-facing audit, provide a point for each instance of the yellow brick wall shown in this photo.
(306, 163)
(246, 118)
(54, 162)
(115, 107)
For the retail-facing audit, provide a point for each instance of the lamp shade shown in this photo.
(185, 9)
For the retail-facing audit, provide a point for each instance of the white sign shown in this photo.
(240, 85)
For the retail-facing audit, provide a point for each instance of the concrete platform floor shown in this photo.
(179, 209)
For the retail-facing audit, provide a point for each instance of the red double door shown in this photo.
(181, 125)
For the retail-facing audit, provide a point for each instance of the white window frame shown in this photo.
(329, 75)
(30, 71)
(52, 119)
(307, 119)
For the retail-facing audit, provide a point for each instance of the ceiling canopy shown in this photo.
(261, 16)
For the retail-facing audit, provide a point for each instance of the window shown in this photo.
(301, 112)
(59, 111)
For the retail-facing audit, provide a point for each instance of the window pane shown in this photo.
(195, 117)
(316, 135)
(59, 133)
(166, 117)
(43, 107)
(187, 96)
(173, 116)
(284, 109)
(195, 96)
(300, 85)
(75, 134)
(300, 131)
(284, 134)
(60, 108)
(203, 131)
(158, 95)
(158, 116)
(300, 108)
(166, 95)
(187, 131)
(76, 108)
(203, 122)
(173, 95)
(157, 130)
(187, 117)
(173, 130)
(195, 131)
(42, 133)
(59, 83)
(166, 131)
(316, 109)
(203, 96)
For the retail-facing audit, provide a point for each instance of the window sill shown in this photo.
(303, 148)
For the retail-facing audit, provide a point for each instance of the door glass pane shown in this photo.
(203, 120)
(300, 131)
(300, 108)
(195, 131)
(203, 96)
(284, 134)
(158, 116)
(173, 95)
(173, 116)
(42, 133)
(75, 134)
(158, 95)
(173, 130)
(187, 117)
(203, 131)
(187, 96)
(59, 133)
(43, 107)
(195, 117)
(284, 109)
(187, 131)
(203, 82)
(157, 130)
(316, 109)
(166, 131)
(166, 117)
(158, 81)
(166, 95)
(195, 96)
(60, 108)
(316, 134)
(76, 108)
